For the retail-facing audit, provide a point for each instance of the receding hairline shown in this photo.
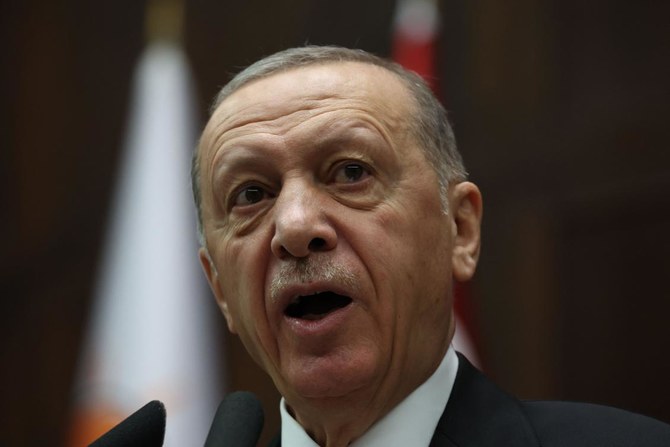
(294, 58)
(221, 99)
(409, 106)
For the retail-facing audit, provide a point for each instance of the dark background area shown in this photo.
(561, 112)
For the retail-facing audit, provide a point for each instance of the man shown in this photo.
(335, 218)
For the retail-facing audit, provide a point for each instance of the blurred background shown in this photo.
(560, 108)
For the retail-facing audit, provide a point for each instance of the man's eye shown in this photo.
(350, 173)
(250, 195)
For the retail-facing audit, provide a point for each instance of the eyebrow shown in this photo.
(358, 133)
(354, 135)
(240, 159)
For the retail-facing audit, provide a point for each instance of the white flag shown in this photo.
(151, 333)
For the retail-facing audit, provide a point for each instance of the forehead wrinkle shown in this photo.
(354, 117)
(243, 111)
(334, 131)
(235, 123)
(240, 138)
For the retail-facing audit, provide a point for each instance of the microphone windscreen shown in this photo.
(238, 421)
(144, 428)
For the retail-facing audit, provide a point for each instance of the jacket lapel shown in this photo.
(480, 414)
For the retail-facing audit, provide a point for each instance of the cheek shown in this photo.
(419, 234)
(241, 267)
(410, 249)
(242, 275)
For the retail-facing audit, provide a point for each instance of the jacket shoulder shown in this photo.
(563, 424)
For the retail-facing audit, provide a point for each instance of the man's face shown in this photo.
(331, 254)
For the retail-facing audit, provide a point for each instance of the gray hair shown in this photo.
(430, 125)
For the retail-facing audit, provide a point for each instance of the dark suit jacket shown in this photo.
(479, 414)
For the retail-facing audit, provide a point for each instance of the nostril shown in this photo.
(317, 244)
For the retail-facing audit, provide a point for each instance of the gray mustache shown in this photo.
(307, 270)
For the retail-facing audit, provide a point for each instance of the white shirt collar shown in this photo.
(411, 422)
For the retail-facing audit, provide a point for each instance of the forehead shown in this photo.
(302, 92)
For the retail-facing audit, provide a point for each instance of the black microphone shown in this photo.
(237, 423)
(144, 428)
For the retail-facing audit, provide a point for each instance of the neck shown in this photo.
(335, 422)
(338, 421)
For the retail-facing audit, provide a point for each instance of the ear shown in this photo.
(466, 212)
(213, 280)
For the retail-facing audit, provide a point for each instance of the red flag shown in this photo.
(416, 26)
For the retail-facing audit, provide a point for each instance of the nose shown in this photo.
(301, 224)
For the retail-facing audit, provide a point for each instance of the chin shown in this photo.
(332, 376)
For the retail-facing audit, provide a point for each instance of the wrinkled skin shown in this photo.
(316, 166)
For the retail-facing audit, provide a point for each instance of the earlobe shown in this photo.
(213, 280)
(466, 208)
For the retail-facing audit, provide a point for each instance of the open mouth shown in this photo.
(316, 306)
